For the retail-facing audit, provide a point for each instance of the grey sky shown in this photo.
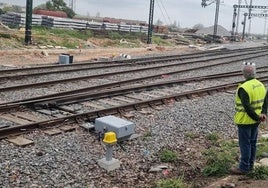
(185, 12)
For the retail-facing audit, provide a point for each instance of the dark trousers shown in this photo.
(247, 136)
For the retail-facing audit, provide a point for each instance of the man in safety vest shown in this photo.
(251, 109)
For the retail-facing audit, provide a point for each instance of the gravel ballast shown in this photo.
(70, 159)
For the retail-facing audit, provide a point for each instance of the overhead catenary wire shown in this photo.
(161, 12)
(161, 2)
(256, 10)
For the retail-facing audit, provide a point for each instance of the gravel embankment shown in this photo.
(56, 88)
(69, 159)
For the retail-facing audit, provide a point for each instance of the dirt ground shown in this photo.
(238, 182)
(23, 57)
(26, 57)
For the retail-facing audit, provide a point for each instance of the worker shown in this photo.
(250, 111)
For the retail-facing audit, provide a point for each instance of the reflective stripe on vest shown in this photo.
(256, 92)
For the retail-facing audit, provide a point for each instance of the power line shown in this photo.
(161, 11)
(170, 22)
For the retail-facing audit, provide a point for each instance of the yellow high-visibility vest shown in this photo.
(256, 92)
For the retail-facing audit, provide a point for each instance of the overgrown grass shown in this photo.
(191, 135)
(262, 148)
(125, 40)
(130, 36)
(5, 35)
(219, 159)
(59, 37)
(213, 137)
(168, 156)
(64, 33)
(73, 38)
(114, 35)
(259, 173)
(69, 44)
(147, 135)
(170, 183)
(159, 41)
(70, 38)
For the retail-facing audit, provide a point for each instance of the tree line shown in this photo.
(53, 5)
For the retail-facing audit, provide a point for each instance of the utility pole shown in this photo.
(244, 25)
(234, 25)
(238, 16)
(150, 26)
(216, 18)
(28, 22)
(267, 29)
(265, 23)
(204, 4)
(249, 17)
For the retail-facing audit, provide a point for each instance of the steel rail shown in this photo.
(165, 58)
(122, 62)
(101, 75)
(101, 92)
(86, 62)
(118, 91)
(91, 115)
(83, 92)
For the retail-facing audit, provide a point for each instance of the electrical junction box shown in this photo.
(122, 128)
(65, 59)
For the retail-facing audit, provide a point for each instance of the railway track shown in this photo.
(104, 90)
(91, 115)
(200, 57)
(247, 55)
(127, 99)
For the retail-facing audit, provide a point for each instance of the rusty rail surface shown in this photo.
(91, 115)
